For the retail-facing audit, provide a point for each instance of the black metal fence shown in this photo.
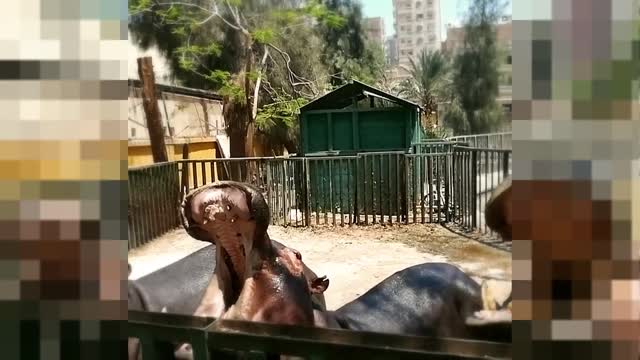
(445, 183)
(154, 196)
(259, 339)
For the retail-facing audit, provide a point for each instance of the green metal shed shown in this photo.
(357, 119)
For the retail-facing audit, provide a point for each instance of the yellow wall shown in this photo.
(141, 155)
(200, 151)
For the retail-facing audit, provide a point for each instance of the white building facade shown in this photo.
(417, 26)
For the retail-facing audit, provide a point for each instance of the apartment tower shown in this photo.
(417, 26)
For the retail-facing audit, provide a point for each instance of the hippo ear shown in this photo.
(319, 285)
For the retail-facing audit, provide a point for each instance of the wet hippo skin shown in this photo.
(178, 287)
(431, 299)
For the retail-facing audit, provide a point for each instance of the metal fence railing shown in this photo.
(154, 196)
(477, 173)
(501, 140)
(445, 183)
(157, 331)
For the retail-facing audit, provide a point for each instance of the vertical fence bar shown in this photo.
(194, 174)
(331, 203)
(285, 189)
(422, 197)
(204, 172)
(438, 185)
(151, 204)
(447, 184)
(380, 187)
(415, 188)
(307, 194)
(397, 188)
(430, 182)
(389, 190)
(325, 198)
(373, 187)
(407, 183)
(340, 186)
(474, 179)
(356, 191)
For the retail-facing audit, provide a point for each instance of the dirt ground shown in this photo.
(354, 258)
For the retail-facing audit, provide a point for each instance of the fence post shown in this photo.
(307, 193)
(184, 184)
(474, 190)
(447, 183)
(505, 164)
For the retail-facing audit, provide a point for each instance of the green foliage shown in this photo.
(139, 5)
(368, 69)
(263, 35)
(430, 80)
(283, 111)
(346, 52)
(476, 75)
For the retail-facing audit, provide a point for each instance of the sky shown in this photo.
(451, 11)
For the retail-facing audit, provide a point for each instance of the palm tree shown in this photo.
(430, 81)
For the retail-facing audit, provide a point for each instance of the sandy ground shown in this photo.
(354, 258)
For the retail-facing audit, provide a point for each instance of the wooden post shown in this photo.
(151, 109)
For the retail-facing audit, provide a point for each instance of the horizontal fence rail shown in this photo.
(438, 182)
(154, 197)
(501, 140)
(157, 330)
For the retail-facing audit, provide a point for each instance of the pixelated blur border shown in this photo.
(63, 197)
(576, 179)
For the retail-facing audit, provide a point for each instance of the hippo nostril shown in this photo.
(298, 255)
(238, 234)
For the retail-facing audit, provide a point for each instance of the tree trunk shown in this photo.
(151, 110)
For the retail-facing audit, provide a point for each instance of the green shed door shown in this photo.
(342, 131)
(384, 130)
(317, 132)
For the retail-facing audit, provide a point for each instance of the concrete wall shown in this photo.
(185, 116)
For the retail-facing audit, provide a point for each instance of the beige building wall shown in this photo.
(182, 116)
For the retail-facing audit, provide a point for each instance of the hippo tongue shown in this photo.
(227, 231)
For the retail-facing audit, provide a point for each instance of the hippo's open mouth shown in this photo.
(225, 214)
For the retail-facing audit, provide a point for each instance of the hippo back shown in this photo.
(431, 299)
(179, 286)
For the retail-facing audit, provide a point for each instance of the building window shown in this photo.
(410, 52)
(133, 132)
(419, 28)
(420, 41)
(418, 4)
(420, 16)
(509, 59)
(430, 15)
(430, 2)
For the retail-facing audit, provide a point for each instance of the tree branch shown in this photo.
(256, 91)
